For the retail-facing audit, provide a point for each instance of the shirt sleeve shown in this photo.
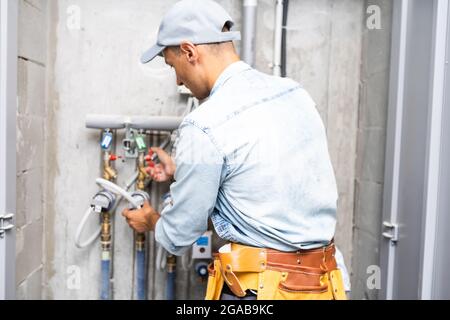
(199, 167)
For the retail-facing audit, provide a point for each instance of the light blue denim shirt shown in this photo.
(253, 158)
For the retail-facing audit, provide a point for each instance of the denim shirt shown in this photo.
(253, 158)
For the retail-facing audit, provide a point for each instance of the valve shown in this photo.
(140, 197)
(107, 140)
(129, 143)
(103, 201)
(114, 157)
(141, 143)
(152, 157)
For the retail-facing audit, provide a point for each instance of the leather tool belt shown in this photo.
(275, 274)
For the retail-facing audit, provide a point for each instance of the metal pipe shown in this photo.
(140, 238)
(106, 256)
(284, 39)
(109, 174)
(278, 37)
(249, 31)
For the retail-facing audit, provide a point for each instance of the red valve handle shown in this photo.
(114, 157)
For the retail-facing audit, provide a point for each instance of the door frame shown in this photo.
(8, 109)
(433, 155)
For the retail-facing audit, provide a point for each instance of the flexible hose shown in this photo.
(108, 185)
(106, 271)
(170, 289)
(80, 228)
(186, 260)
(140, 260)
(89, 211)
(160, 260)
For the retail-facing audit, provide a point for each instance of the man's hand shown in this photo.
(164, 170)
(142, 220)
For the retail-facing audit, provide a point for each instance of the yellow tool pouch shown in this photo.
(215, 281)
(247, 268)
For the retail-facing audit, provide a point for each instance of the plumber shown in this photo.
(254, 159)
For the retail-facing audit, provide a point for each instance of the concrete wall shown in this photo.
(31, 115)
(94, 68)
(371, 150)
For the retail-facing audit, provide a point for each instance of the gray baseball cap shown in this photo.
(198, 21)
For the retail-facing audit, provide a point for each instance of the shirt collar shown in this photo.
(230, 71)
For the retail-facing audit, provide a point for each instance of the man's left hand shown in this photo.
(142, 220)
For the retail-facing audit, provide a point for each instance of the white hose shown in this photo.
(112, 187)
(97, 232)
(186, 260)
(160, 260)
(80, 230)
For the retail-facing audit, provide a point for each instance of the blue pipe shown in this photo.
(140, 261)
(106, 268)
(170, 289)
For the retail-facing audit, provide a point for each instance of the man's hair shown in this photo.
(215, 47)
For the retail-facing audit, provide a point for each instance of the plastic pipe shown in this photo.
(249, 31)
(141, 278)
(278, 38)
(162, 123)
(155, 123)
(106, 271)
(171, 275)
(170, 289)
(95, 121)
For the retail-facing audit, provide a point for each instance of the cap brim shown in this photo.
(151, 53)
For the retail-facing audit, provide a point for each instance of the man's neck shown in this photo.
(219, 67)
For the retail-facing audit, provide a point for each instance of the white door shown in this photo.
(414, 257)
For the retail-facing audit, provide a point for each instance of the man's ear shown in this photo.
(189, 50)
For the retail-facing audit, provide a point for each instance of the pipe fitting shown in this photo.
(171, 263)
(139, 198)
(106, 231)
(140, 241)
(108, 172)
(142, 172)
(103, 201)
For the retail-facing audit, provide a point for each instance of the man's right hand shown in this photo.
(165, 169)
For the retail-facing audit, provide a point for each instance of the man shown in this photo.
(254, 159)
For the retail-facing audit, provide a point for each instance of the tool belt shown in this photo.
(276, 275)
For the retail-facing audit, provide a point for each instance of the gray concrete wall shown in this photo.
(371, 150)
(31, 115)
(95, 69)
